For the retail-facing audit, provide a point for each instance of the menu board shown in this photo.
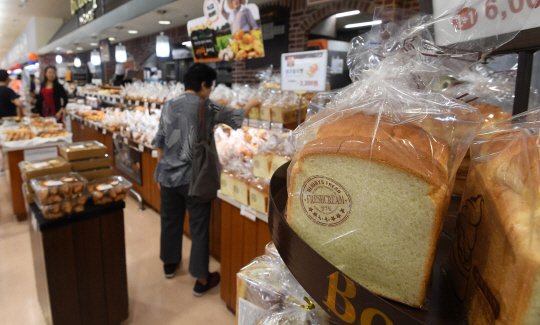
(229, 30)
(304, 71)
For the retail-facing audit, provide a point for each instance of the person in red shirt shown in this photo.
(52, 99)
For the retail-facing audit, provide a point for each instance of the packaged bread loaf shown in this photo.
(495, 261)
(57, 188)
(372, 177)
(258, 194)
(107, 190)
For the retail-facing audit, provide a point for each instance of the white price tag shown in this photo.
(121, 100)
(97, 129)
(129, 102)
(104, 187)
(248, 212)
(137, 103)
(304, 70)
(141, 148)
(126, 141)
(145, 104)
(104, 131)
(154, 153)
(114, 136)
(153, 106)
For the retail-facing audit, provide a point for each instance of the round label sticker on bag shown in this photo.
(325, 201)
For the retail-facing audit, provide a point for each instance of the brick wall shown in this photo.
(304, 19)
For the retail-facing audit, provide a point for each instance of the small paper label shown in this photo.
(114, 183)
(79, 146)
(121, 100)
(249, 313)
(53, 183)
(104, 131)
(248, 212)
(141, 148)
(137, 103)
(97, 128)
(154, 154)
(104, 187)
(126, 141)
(68, 179)
(153, 106)
(129, 102)
(39, 165)
(145, 104)
(114, 135)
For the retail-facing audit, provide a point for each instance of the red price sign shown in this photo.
(465, 19)
(516, 6)
(309, 83)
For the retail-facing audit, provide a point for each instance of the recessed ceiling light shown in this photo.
(348, 13)
(133, 31)
(58, 48)
(164, 22)
(79, 48)
(93, 44)
(369, 23)
(112, 39)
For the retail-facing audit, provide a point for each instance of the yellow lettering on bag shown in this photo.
(349, 314)
(369, 313)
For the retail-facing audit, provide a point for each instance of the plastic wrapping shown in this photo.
(495, 263)
(57, 188)
(152, 92)
(221, 94)
(372, 178)
(258, 194)
(38, 168)
(107, 190)
(64, 207)
(266, 288)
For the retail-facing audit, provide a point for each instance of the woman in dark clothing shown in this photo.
(52, 98)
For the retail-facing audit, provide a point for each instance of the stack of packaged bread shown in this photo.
(60, 194)
(88, 158)
(40, 168)
(268, 294)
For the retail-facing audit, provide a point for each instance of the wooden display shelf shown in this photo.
(80, 265)
(241, 241)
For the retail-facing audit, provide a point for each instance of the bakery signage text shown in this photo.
(85, 16)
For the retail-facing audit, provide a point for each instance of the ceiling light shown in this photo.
(120, 53)
(93, 44)
(69, 51)
(59, 59)
(163, 47)
(77, 62)
(112, 39)
(79, 48)
(164, 22)
(95, 57)
(133, 31)
(58, 48)
(368, 23)
(188, 43)
(348, 13)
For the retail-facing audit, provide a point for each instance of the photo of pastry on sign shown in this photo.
(229, 30)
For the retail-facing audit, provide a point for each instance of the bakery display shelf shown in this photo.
(233, 202)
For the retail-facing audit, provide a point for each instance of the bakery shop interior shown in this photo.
(264, 162)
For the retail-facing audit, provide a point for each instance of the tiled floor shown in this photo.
(152, 298)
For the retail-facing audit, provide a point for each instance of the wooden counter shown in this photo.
(80, 265)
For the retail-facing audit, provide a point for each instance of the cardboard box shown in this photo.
(92, 163)
(96, 173)
(82, 150)
(44, 167)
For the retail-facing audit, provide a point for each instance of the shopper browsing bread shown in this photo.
(53, 97)
(10, 104)
(175, 140)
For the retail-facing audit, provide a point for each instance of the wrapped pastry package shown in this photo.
(57, 188)
(372, 177)
(266, 288)
(495, 262)
(107, 190)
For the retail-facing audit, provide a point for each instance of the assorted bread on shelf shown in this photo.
(246, 156)
(152, 92)
(38, 128)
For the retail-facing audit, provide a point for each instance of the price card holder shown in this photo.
(248, 212)
(137, 103)
(129, 102)
(264, 124)
(276, 126)
(145, 104)
(114, 136)
(141, 148)
(121, 100)
(126, 141)
(153, 106)
(97, 128)
(104, 131)
(154, 153)
(245, 122)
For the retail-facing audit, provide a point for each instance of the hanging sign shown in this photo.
(304, 71)
(229, 30)
(482, 19)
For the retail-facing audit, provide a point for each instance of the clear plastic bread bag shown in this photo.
(495, 261)
(372, 177)
(221, 94)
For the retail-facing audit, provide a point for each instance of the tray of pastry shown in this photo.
(64, 207)
(107, 190)
(82, 150)
(57, 188)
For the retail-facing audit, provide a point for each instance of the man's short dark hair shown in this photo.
(197, 74)
(4, 75)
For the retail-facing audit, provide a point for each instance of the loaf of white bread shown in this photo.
(495, 264)
(373, 205)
